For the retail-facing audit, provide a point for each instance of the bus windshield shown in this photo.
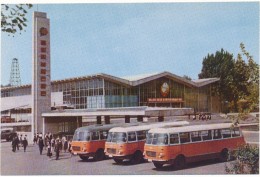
(81, 136)
(116, 137)
(157, 139)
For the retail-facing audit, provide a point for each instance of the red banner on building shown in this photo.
(165, 100)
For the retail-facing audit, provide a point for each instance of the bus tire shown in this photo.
(118, 160)
(224, 155)
(84, 157)
(157, 165)
(180, 162)
(100, 155)
(137, 157)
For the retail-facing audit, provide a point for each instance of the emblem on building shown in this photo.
(165, 89)
(43, 31)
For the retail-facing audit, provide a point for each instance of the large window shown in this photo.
(131, 136)
(141, 135)
(226, 133)
(206, 135)
(174, 139)
(185, 137)
(235, 132)
(217, 134)
(94, 135)
(116, 137)
(195, 136)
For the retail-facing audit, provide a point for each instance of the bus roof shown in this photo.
(148, 126)
(191, 128)
(98, 127)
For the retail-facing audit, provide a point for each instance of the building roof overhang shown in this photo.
(130, 111)
(133, 80)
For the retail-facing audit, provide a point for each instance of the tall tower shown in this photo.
(15, 79)
(41, 70)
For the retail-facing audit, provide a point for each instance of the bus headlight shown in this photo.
(161, 155)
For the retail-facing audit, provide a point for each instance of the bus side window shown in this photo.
(217, 134)
(235, 132)
(185, 137)
(206, 135)
(226, 133)
(131, 136)
(103, 135)
(195, 136)
(174, 139)
(95, 135)
(141, 135)
(87, 136)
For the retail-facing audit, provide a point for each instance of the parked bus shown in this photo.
(181, 145)
(128, 143)
(89, 141)
(8, 134)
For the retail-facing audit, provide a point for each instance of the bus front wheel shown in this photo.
(100, 155)
(224, 155)
(84, 157)
(157, 165)
(180, 162)
(137, 157)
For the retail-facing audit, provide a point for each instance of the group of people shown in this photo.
(47, 142)
(202, 117)
(19, 141)
(51, 144)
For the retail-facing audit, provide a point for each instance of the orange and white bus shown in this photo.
(128, 143)
(181, 145)
(89, 141)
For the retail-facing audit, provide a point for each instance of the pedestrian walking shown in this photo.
(46, 139)
(17, 142)
(65, 146)
(25, 144)
(21, 140)
(49, 153)
(70, 147)
(41, 145)
(14, 144)
(57, 148)
(34, 139)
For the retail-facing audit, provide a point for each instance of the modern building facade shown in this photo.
(105, 91)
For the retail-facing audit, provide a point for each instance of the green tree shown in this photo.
(239, 85)
(13, 17)
(253, 82)
(220, 65)
(239, 78)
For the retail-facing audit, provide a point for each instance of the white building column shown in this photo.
(43, 126)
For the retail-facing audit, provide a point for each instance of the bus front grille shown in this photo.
(111, 150)
(75, 148)
(151, 153)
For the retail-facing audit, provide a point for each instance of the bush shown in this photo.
(246, 161)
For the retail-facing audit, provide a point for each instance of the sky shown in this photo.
(134, 38)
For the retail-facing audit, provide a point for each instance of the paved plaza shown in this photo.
(32, 163)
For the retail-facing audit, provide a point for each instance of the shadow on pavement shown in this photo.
(128, 163)
(188, 166)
